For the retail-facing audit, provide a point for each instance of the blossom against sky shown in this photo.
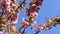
(49, 8)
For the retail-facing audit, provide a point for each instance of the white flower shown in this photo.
(33, 4)
(14, 28)
(33, 23)
(14, 22)
(58, 17)
(50, 21)
(34, 15)
(1, 32)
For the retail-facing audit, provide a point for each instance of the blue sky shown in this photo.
(49, 8)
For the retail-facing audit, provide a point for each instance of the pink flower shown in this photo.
(3, 2)
(14, 22)
(39, 2)
(6, 16)
(40, 28)
(34, 15)
(33, 23)
(46, 28)
(26, 24)
(13, 5)
(1, 32)
(14, 16)
(32, 10)
(6, 12)
(2, 25)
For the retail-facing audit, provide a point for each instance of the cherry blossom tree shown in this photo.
(10, 12)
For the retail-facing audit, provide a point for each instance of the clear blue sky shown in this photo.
(49, 8)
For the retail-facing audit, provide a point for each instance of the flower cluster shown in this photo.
(48, 25)
(5, 5)
(32, 13)
(10, 9)
(36, 3)
(33, 10)
(9, 17)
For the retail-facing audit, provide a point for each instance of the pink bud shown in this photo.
(26, 24)
(2, 25)
(40, 29)
(13, 18)
(34, 15)
(6, 12)
(34, 22)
